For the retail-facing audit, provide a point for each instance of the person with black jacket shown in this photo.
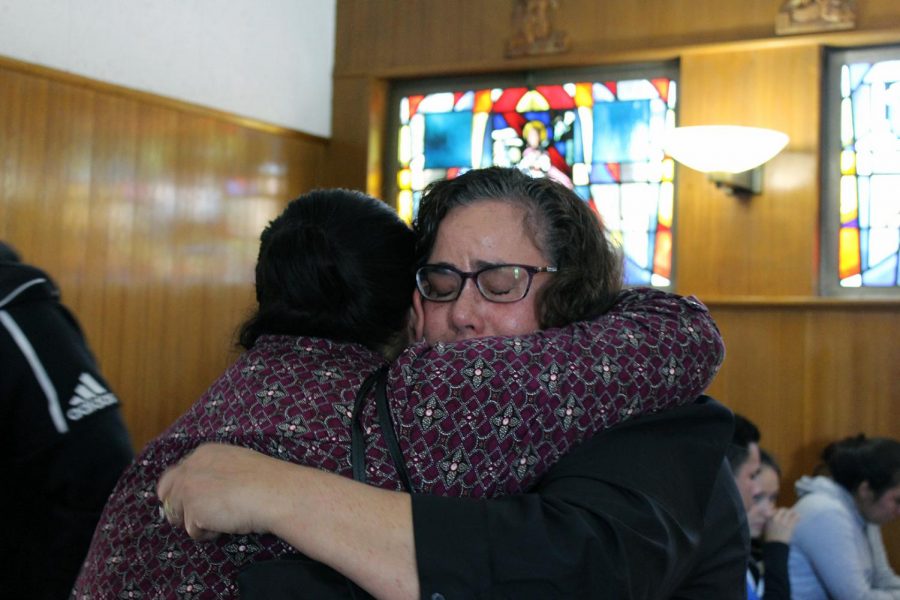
(64, 442)
(644, 510)
(758, 479)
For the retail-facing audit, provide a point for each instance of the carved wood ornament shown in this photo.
(533, 32)
(808, 16)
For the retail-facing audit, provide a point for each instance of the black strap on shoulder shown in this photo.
(357, 439)
(377, 379)
(387, 430)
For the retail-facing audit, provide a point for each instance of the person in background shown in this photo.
(837, 552)
(770, 530)
(606, 521)
(64, 443)
(744, 459)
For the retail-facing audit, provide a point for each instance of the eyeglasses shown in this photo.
(497, 283)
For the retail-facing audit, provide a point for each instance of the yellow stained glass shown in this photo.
(405, 205)
(483, 101)
(404, 150)
(532, 100)
(846, 122)
(668, 169)
(666, 203)
(848, 252)
(404, 179)
(849, 200)
(479, 126)
(584, 95)
(848, 162)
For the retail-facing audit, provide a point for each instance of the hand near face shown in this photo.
(222, 489)
(780, 527)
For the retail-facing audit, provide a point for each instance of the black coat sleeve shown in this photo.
(775, 571)
(645, 510)
(64, 445)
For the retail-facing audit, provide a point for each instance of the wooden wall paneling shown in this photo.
(763, 373)
(111, 225)
(414, 37)
(855, 355)
(348, 150)
(764, 245)
(26, 113)
(147, 213)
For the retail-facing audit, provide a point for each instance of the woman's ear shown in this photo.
(417, 318)
(864, 491)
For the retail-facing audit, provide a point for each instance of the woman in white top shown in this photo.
(837, 551)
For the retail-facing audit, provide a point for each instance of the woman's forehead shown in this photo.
(487, 231)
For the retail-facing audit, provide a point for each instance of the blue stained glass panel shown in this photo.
(448, 140)
(619, 131)
(635, 274)
(882, 244)
(600, 174)
(882, 275)
(870, 92)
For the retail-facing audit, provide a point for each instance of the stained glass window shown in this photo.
(599, 134)
(862, 173)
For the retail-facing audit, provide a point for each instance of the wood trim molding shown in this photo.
(576, 59)
(156, 99)
(802, 302)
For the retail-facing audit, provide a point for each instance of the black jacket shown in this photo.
(648, 509)
(64, 443)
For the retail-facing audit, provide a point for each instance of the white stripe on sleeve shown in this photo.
(40, 373)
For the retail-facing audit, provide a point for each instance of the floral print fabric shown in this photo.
(478, 418)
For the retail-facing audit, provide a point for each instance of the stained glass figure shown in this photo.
(603, 139)
(869, 206)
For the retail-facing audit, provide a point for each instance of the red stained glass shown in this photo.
(612, 86)
(593, 206)
(662, 86)
(662, 253)
(515, 120)
(414, 102)
(509, 99)
(558, 160)
(615, 171)
(556, 96)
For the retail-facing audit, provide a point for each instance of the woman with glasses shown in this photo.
(517, 257)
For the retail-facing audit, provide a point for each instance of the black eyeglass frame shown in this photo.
(473, 275)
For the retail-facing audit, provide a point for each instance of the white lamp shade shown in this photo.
(724, 148)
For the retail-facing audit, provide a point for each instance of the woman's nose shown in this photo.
(465, 313)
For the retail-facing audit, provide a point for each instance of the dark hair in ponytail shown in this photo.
(336, 264)
(853, 460)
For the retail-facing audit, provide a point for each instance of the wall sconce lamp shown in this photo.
(731, 156)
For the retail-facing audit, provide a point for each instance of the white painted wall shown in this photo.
(269, 60)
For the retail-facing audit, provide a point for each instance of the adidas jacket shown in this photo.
(64, 444)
